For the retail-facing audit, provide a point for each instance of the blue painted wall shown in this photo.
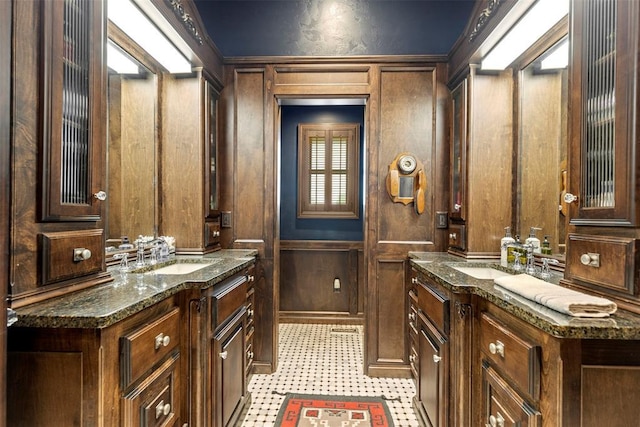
(291, 227)
(334, 27)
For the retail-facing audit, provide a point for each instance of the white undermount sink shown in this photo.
(485, 273)
(182, 267)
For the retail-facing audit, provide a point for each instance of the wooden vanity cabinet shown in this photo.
(526, 377)
(221, 335)
(128, 374)
(439, 331)
(481, 160)
(191, 210)
(602, 247)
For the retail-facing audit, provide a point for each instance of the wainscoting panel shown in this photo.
(308, 270)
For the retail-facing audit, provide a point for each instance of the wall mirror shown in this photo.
(542, 143)
(131, 148)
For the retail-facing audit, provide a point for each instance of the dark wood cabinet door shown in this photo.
(73, 85)
(432, 386)
(603, 148)
(229, 383)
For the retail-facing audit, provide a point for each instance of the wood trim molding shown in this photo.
(186, 19)
(319, 245)
(378, 59)
(484, 17)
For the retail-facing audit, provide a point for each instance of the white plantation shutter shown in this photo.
(328, 170)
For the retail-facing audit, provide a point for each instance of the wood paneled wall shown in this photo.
(5, 179)
(406, 102)
(307, 273)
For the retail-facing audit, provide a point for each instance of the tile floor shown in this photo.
(324, 359)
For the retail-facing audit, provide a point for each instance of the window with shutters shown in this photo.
(328, 159)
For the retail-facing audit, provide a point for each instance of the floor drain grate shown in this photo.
(344, 330)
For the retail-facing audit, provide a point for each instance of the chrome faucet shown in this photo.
(546, 273)
(531, 266)
(159, 250)
(140, 253)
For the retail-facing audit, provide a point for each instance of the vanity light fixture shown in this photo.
(119, 62)
(558, 58)
(539, 19)
(131, 20)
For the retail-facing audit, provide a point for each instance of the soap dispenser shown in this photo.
(533, 240)
(504, 244)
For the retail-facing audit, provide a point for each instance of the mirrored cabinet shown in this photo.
(481, 159)
(189, 161)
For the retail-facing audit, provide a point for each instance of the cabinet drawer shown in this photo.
(457, 236)
(514, 356)
(606, 262)
(227, 299)
(155, 402)
(435, 306)
(143, 348)
(69, 254)
(502, 405)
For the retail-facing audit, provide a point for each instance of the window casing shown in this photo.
(328, 165)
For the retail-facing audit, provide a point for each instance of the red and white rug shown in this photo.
(305, 410)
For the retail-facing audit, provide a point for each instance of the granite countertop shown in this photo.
(103, 305)
(439, 267)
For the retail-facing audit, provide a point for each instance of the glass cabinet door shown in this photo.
(73, 85)
(602, 176)
(458, 148)
(211, 149)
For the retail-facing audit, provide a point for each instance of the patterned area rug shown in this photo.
(306, 410)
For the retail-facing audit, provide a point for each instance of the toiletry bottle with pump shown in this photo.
(533, 240)
(546, 246)
(504, 244)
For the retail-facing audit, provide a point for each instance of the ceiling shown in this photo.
(242, 28)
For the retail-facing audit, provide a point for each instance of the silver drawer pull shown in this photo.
(250, 312)
(162, 340)
(412, 358)
(250, 355)
(496, 421)
(436, 358)
(590, 259)
(414, 280)
(497, 348)
(251, 278)
(412, 316)
(162, 409)
(81, 254)
(224, 354)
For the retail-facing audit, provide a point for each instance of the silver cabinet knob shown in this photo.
(162, 340)
(224, 354)
(497, 420)
(412, 316)
(414, 280)
(100, 195)
(81, 254)
(412, 358)
(457, 207)
(250, 312)
(162, 409)
(453, 236)
(497, 348)
(436, 358)
(250, 355)
(590, 259)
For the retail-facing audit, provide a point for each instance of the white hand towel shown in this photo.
(557, 297)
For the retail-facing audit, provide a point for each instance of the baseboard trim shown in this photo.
(320, 317)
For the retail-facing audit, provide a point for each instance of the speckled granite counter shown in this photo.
(106, 304)
(438, 267)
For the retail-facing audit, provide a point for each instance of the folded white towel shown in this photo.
(557, 297)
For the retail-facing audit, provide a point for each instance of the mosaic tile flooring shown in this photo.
(324, 359)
